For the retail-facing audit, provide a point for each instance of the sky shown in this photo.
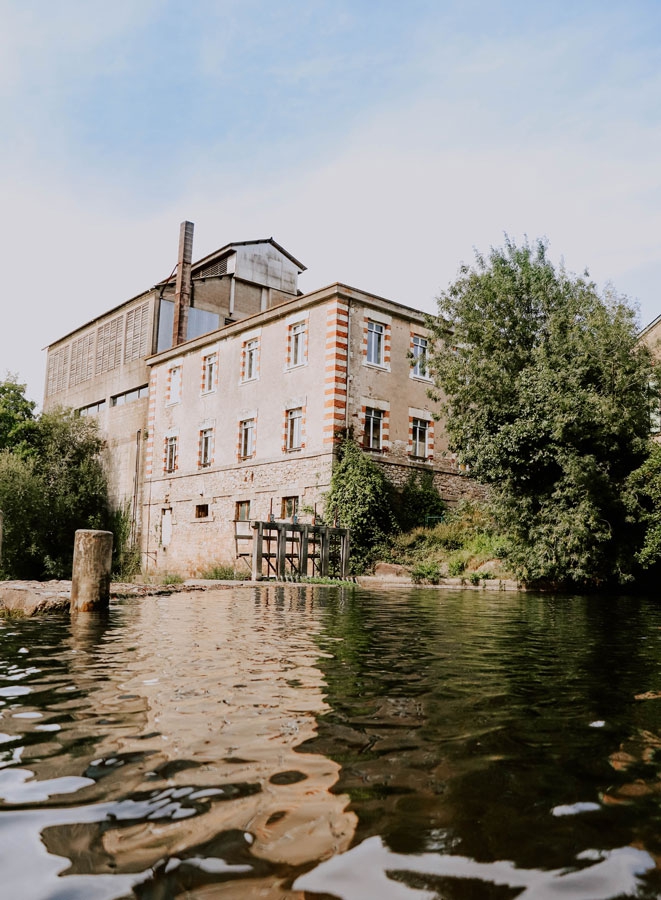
(380, 142)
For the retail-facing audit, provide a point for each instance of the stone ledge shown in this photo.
(35, 598)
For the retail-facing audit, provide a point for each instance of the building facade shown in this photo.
(238, 417)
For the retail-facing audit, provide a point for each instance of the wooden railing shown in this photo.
(289, 550)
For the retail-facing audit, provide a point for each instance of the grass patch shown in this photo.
(223, 573)
(169, 578)
(458, 546)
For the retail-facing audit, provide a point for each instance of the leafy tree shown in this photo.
(645, 504)
(417, 501)
(51, 483)
(16, 415)
(359, 497)
(75, 489)
(546, 393)
(24, 511)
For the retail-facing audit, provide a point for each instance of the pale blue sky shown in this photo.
(378, 141)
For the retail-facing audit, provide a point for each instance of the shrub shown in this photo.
(359, 497)
(417, 501)
(223, 572)
(425, 572)
(456, 566)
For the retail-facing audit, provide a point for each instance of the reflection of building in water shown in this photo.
(198, 705)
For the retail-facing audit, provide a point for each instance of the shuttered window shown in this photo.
(136, 340)
(109, 345)
(82, 359)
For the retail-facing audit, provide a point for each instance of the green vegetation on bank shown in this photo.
(51, 483)
(465, 544)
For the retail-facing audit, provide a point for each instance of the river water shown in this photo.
(333, 743)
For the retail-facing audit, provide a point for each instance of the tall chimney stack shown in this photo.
(182, 289)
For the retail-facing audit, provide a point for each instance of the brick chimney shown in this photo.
(182, 291)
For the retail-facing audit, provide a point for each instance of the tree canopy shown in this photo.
(546, 393)
(51, 483)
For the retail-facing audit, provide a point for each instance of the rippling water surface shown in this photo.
(318, 743)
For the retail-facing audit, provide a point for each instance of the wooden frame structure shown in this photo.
(289, 550)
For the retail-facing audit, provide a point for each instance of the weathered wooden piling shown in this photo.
(90, 580)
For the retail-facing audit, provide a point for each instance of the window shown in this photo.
(250, 360)
(419, 350)
(137, 332)
(373, 429)
(247, 439)
(242, 511)
(130, 396)
(289, 507)
(294, 429)
(419, 431)
(109, 345)
(202, 511)
(297, 344)
(375, 333)
(58, 367)
(170, 454)
(206, 447)
(82, 359)
(92, 408)
(209, 373)
(174, 388)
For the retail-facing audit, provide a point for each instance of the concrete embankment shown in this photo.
(35, 598)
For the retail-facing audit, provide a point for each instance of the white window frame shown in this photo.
(209, 363)
(420, 351)
(373, 439)
(206, 447)
(294, 428)
(297, 344)
(376, 339)
(251, 359)
(419, 425)
(171, 453)
(247, 449)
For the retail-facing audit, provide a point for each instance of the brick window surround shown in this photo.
(247, 438)
(209, 373)
(293, 437)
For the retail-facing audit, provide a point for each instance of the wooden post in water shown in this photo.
(281, 551)
(303, 552)
(257, 550)
(90, 580)
(324, 551)
(344, 553)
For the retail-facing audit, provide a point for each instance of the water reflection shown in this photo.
(174, 762)
(299, 742)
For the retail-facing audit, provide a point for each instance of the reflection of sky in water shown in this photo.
(128, 757)
(366, 871)
(195, 740)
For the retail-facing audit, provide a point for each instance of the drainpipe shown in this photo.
(182, 291)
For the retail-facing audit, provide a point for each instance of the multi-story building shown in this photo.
(222, 394)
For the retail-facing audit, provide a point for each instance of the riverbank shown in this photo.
(36, 598)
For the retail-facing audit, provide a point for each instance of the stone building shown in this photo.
(221, 393)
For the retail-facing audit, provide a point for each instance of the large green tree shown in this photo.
(16, 415)
(51, 483)
(545, 390)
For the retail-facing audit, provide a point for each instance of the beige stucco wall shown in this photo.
(274, 472)
(178, 541)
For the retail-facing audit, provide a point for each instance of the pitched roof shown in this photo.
(228, 249)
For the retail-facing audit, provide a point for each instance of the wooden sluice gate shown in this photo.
(290, 551)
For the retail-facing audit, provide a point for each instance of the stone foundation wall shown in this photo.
(452, 484)
(177, 539)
